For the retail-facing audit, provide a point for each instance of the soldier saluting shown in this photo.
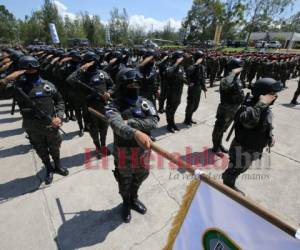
(41, 124)
(253, 129)
(231, 95)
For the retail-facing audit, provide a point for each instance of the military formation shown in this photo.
(129, 88)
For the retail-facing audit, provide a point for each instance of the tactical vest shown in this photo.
(41, 94)
(234, 95)
(140, 110)
(254, 138)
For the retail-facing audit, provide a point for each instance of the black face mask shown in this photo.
(130, 93)
(32, 77)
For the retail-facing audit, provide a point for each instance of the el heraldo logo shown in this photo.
(215, 239)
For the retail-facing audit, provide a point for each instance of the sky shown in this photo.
(145, 13)
(141, 12)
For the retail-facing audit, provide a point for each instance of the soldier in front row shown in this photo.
(131, 118)
(231, 95)
(253, 129)
(44, 137)
(196, 82)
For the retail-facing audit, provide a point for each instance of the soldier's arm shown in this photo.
(147, 124)
(6, 89)
(118, 125)
(73, 78)
(59, 104)
(227, 82)
(171, 69)
(250, 116)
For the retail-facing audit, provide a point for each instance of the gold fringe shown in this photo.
(182, 212)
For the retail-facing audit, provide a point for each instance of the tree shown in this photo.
(8, 25)
(119, 26)
(93, 29)
(204, 16)
(262, 12)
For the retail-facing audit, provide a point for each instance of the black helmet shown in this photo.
(198, 54)
(90, 56)
(74, 54)
(28, 62)
(128, 75)
(234, 63)
(265, 86)
(117, 54)
(124, 79)
(177, 54)
(142, 51)
(150, 52)
(16, 55)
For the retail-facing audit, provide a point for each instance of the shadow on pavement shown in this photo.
(4, 112)
(20, 186)
(10, 120)
(5, 104)
(291, 106)
(87, 228)
(70, 135)
(16, 150)
(11, 132)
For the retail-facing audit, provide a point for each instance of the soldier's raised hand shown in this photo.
(87, 65)
(13, 76)
(179, 60)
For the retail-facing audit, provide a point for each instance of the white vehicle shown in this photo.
(261, 44)
(275, 45)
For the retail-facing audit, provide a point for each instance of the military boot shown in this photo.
(58, 168)
(49, 172)
(136, 204)
(126, 213)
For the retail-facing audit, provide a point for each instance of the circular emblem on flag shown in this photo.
(215, 239)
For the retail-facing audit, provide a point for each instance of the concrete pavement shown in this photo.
(81, 211)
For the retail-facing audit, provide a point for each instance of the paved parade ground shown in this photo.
(81, 211)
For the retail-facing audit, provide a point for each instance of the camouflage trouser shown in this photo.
(98, 127)
(130, 171)
(193, 99)
(46, 141)
(240, 160)
(225, 115)
(173, 101)
(163, 94)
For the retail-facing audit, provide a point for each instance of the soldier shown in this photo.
(132, 118)
(196, 82)
(253, 129)
(231, 95)
(162, 66)
(65, 67)
(99, 88)
(297, 93)
(176, 78)
(45, 137)
(78, 92)
(115, 64)
(149, 85)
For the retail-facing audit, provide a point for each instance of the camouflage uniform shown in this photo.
(196, 81)
(46, 141)
(253, 132)
(130, 169)
(101, 83)
(232, 95)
